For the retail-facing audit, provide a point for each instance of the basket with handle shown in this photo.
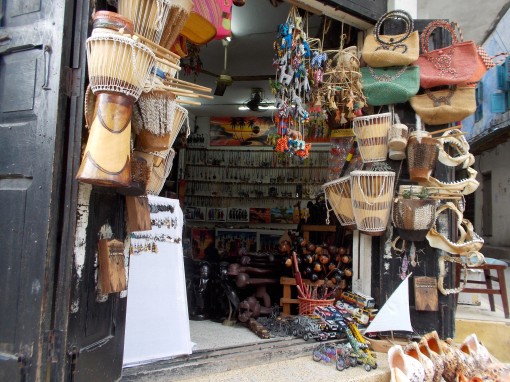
(307, 305)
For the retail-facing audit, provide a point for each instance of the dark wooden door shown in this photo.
(32, 115)
(93, 323)
(96, 321)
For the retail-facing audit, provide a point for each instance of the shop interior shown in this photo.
(240, 201)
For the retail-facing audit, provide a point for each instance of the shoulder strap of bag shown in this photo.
(397, 14)
(427, 32)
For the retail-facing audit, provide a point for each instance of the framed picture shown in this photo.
(260, 215)
(238, 214)
(282, 215)
(202, 240)
(230, 241)
(195, 213)
(216, 214)
(268, 240)
(240, 131)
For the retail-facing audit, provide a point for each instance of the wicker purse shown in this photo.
(450, 65)
(390, 85)
(392, 50)
(444, 106)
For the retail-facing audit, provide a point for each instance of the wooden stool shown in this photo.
(491, 264)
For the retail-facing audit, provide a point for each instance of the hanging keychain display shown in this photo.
(292, 86)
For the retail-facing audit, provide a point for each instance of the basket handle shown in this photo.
(397, 14)
(425, 36)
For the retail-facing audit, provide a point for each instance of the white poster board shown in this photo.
(157, 324)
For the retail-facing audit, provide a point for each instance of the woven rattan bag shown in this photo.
(450, 65)
(392, 50)
(445, 106)
(391, 85)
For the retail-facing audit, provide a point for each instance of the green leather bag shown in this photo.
(387, 86)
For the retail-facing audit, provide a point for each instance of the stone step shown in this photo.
(261, 362)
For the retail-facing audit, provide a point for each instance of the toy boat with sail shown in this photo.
(394, 315)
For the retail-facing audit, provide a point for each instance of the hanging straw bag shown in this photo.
(450, 65)
(445, 106)
(391, 85)
(392, 50)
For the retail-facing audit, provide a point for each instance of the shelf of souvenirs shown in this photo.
(264, 158)
(246, 181)
(255, 190)
(256, 175)
(265, 201)
(247, 215)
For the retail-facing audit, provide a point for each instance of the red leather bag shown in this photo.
(450, 65)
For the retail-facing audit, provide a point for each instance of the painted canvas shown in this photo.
(240, 131)
(260, 215)
(230, 241)
(202, 240)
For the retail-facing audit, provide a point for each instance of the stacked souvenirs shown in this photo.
(132, 83)
(394, 74)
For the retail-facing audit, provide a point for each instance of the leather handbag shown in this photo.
(392, 50)
(450, 65)
(444, 106)
(391, 85)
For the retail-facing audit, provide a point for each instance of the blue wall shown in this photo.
(498, 41)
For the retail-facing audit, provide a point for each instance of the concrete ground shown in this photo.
(473, 316)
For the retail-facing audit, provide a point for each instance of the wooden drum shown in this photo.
(177, 17)
(372, 196)
(422, 153)
(149, 17)
(160, 172)
(338, 195)
(157, 120)
(118, 69)
(372, 134)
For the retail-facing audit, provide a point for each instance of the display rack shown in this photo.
(251, 178)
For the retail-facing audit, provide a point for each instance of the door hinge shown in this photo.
(54, 345)
(73, 354)
(73, 81)
(24, 363)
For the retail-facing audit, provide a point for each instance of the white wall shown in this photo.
(497, 162)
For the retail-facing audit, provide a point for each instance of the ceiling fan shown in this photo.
(257, 102)
(223, 80)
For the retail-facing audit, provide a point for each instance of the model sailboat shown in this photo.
(393, 315)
